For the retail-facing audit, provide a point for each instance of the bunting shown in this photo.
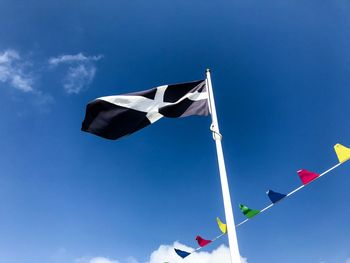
(222, 226)
(181, 253)
(202, 242)
(306, 177)
(275, 196)
(343, 153)
(249, 213)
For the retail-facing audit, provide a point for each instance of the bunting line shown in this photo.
(291, 193)
(307, 177)
(184, 254)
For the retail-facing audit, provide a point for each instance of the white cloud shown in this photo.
(96, 260)
(102, 260)
(131, 260)
(80, 73)
(12, 71)
(165, 253)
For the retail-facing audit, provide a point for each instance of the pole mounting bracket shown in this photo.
(216, 135)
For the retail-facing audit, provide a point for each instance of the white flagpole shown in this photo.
(231, 229)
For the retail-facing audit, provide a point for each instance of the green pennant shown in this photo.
(249, 213)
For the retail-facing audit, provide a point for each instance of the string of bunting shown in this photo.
(306, 177)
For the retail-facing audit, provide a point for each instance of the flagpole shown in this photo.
(231, 229)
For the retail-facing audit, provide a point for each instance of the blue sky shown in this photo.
(280, 71)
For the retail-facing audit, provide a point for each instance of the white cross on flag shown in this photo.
(113, 117)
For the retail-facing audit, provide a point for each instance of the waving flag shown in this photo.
(113, 117)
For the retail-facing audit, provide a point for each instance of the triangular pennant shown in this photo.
(275, 196)
(181, 253)
(222, 226)
(342, 152)
(202, 242)
(248, 212)
(307, 176)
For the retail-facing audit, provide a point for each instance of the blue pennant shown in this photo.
(275, 196)
(181, 253)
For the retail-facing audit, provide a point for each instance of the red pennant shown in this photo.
(202, 242)
(307, 176)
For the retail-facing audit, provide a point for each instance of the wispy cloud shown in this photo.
(13, 71)
(24, 73)
(80, 71)
(73, 58)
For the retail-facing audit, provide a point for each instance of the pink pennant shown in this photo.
(202, 242)
(307, 176)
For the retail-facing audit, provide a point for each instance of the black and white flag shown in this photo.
(113, 117)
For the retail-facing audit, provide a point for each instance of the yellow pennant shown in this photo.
(222, 226)
(342, 152)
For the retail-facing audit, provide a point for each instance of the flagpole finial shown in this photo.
(208, 70)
